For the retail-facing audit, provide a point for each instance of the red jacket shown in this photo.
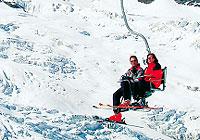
(153, 73)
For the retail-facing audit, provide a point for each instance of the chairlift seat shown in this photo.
(152, 90)
(163, 81)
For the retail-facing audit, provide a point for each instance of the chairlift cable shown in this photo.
(133, 32)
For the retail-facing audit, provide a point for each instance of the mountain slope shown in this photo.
(58, 58)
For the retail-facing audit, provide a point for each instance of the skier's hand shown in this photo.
(123, 77)
(131, 80)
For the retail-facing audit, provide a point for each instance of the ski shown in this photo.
(106, 120)
(102, 107)
(108, 106)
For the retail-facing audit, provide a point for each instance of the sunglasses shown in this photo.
(150, 58)
(133, 60)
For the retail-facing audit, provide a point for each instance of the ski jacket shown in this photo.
(135, 72)
(153, 73)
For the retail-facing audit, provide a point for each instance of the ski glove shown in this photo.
(136, 80)
(123, 77)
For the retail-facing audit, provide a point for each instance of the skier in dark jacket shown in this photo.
(128, 86)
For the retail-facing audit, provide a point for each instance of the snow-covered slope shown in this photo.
(58, 58)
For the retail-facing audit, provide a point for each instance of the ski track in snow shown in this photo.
(21, 121)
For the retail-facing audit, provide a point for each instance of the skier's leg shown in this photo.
(134, 89)
(116, 99)
(143, 86)
(126, 90)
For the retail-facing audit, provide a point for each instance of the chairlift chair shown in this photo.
(148, 93)
(152, 90)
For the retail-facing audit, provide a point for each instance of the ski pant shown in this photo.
(128, 89)
(142, 87)
(125, 91)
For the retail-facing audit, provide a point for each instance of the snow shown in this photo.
(59, 58)
(164, 9)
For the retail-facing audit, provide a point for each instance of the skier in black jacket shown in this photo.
(128, 82)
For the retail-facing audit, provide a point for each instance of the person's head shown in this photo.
(133, 60)
(151, 58)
